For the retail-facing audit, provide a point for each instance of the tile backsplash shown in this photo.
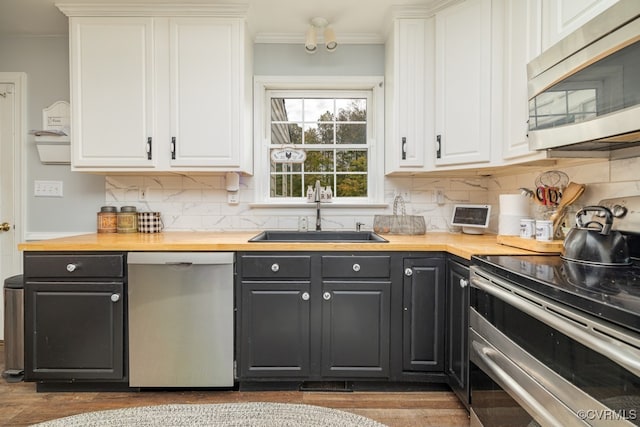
(199, 202)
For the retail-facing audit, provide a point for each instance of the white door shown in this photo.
(463, 83)
(10, 129)
(205, 91)
(112, 72)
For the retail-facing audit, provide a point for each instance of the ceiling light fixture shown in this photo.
(320, 24)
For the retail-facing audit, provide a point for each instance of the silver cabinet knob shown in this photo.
(356, 267)
(408, 272)
(115, 297)
(464, 283)
(326, 296)
(305, 296)
(275, 267)
(71, 268)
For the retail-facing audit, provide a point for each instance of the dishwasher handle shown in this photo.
(180, 258)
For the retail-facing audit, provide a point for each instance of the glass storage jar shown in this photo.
(127, 220)
(107, 219)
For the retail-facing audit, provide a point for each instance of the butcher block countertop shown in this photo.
(462, 245)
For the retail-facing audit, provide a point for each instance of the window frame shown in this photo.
(317, 85)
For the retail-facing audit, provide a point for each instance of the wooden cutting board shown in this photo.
(554, 246)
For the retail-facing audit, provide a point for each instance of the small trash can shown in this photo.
(14, 328)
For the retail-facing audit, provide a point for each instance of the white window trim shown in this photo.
(262, 109)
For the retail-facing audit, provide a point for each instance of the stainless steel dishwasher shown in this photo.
(180, 319)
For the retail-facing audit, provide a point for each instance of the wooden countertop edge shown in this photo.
(463, 246)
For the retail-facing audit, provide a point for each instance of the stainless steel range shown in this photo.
(555, 342)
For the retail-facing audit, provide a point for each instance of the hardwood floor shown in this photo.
(21, 405)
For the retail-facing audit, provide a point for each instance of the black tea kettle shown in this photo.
(594, 242)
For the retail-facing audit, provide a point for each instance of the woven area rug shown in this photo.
(253, 414)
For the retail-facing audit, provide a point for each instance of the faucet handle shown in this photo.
(359, 225)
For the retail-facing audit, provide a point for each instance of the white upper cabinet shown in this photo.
(160, 93)
(522, 43)
(206, 91)
(561, 17)
(112, 92)
(409, 94)
(463, 91)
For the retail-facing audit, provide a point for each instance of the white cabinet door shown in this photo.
(463, 83)
(112, 92)
(206, 96)
(410, 91)
(521, 45)
(561, 17)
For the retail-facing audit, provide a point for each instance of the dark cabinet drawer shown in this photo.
(276, 267)
(74, 265)
(355, 266)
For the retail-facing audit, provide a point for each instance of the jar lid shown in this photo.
(128, 209)
(108, 209)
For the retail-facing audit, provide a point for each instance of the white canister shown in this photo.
(527, 228)
(544, 230)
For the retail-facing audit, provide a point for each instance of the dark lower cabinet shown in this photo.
(423, 314)
(275, 333)
(312, 317)
(457, 327)
(355, 329)
(75, 317)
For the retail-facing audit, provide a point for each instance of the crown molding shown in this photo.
(153, 9)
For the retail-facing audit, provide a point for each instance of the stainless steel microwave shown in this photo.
(584, 92)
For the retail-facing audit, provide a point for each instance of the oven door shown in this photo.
(535, 362)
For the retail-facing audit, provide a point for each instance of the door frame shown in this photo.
(19, 80)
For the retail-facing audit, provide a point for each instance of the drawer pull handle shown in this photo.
(71, 268)
(356, 267)
(275, 268)
(326, 296)
(464, 283)
(408, 272)
(305, 296)
(115, 297)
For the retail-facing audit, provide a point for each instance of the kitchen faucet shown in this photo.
(316, 199)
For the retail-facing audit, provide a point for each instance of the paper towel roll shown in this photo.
(509, 225)
(514, 204)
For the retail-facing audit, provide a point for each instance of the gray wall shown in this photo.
(46, 62)
(292, 60)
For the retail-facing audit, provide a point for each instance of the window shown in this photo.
(334, 125)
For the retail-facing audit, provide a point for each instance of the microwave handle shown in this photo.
(511, 386)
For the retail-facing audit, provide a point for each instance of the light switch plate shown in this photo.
(47, 188)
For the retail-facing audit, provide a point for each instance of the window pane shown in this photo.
(318, 110)
(351, 110)
(286, 167)
(351, 133)
(351, 185)
(319, 161)
(325, 180)
(351, 161)
(286, 185)
(286, 110)
(286, 134)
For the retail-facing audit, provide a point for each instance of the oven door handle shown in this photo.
(583, 330)
(511, 385)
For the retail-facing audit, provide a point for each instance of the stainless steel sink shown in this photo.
(318, 236)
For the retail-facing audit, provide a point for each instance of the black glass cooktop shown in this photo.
(612, 293)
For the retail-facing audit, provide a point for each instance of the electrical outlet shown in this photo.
(233, 198)
(440, 196)
(142, 194)
(47, 188)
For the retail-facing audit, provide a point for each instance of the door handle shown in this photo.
(5, 226)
